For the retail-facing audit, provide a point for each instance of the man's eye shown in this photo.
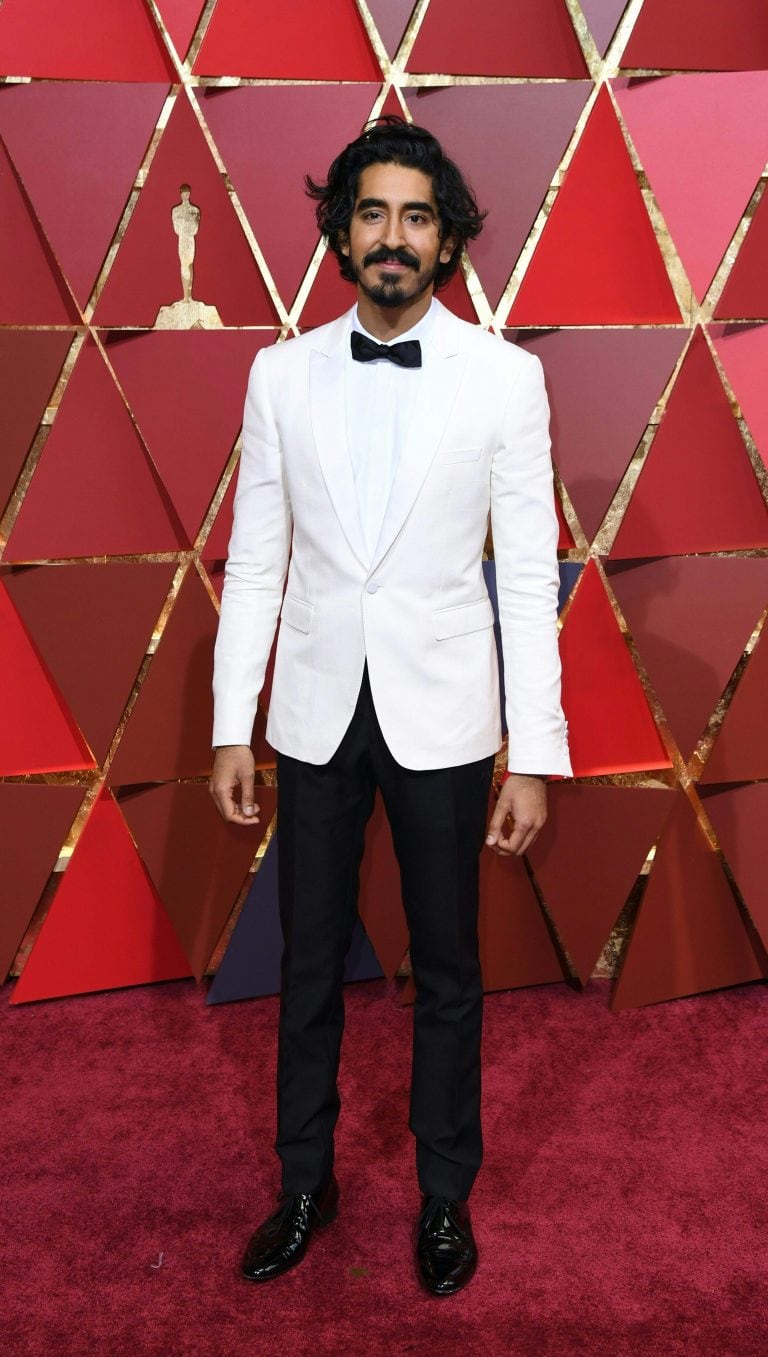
(416, 216)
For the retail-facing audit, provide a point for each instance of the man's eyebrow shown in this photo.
(407, 207)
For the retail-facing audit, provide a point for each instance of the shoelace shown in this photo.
(435, 1206)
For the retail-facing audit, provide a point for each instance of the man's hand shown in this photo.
(231, 784)
(523, 798)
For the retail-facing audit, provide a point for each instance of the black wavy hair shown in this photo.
(391, 140)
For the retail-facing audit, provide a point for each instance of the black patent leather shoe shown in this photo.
(281, 1241)
(446, 1252)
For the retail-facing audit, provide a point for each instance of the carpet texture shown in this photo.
(621, 1208)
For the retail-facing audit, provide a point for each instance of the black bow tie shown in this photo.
(406, 355)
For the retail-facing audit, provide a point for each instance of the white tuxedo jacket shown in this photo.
(419, 609)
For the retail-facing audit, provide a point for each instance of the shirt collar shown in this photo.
(421, 330)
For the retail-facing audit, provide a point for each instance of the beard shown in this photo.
(395, 291)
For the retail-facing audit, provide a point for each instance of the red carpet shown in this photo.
(621, 1208)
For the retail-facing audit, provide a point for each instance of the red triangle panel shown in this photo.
(34, 821)
(111, 40)
(739, 816)
(106, 927)
(520, 37)
(696, 490)
(146, 273)
(92, 624)
(32, 290)
(196, 860)
(611, 729)
(295, 40)
(699, 35)
(77, 148)
(515, 944)
(691, 618)
(598, 260)
(94, 491)
(740, 751)
(587, 858)
(30, 363)
(743, 351)
(745, 295)
(37, 733)
(180, 18)
(689, 935)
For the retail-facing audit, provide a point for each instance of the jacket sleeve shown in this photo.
(525, 531)
(255, 572)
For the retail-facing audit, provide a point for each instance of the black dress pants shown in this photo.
(438, 821)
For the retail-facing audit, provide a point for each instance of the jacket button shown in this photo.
(372, 586)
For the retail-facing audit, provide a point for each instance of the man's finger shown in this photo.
(246, 795)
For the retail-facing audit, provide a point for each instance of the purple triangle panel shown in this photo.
(602, 17)
(509, 139)
(391, 19)
(602, 386)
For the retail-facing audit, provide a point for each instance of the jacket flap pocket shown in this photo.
(446, 456)
(467, 617)
(296, 613)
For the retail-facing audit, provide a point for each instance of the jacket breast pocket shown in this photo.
(296, 613)
(450, 456)
(465, 618)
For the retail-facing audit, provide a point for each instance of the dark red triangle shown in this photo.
(181, 18)
(168, 734)
(295, 40)
(146, 273)
(113, 40)
(275, 134)
(689, 935)
(611, 728)
(699, 35)
(743, 351)
(520, 37)
(745, 295)
(217, 541)
(691, 618)
(30, 363)
(77, 148)
(92, 624)
(196, 860)
(106, 927)
(587, 858)
(696, 490)
(739, 816)
(740, 751)
(190, 421)
(94, 491)
(516, 947)
(34, 821)
(598, 260)
(37, 732)
(603, 386)
(565, 536)
(32, 290)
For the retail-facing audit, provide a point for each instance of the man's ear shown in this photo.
(448, 249)
(343, 241)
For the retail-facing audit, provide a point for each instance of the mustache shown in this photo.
(398, 256)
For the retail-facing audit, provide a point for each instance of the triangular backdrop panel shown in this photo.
(603, 386)
(739, 816)
(522, 130)
(689, 935)
(295, 40)
(516, 947)
(168, 733)
(273, 135)
(217, 541)
(740, 750)
(698, 35)
(37, 732)
(696, 490)
(587, 858)
(34, 821)
(30, 363)
(180, 18)
(745, 295)
(391, 19)
(602, 17)
(191, 419)
(520, 37)
(703, 142)
(106, 927)
(77, 148)
(598, 261)
(611, 728)
(146, 273)
(743, 351)
(691, 617)
(32, 290)
(196, 860)
(92, 625)
(94, 491)
(113, 40)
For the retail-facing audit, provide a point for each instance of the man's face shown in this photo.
(394, 246)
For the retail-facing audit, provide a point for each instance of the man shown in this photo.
(374, 449)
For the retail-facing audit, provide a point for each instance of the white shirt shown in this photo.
(380, 400)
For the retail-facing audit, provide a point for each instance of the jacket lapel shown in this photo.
(328, 412)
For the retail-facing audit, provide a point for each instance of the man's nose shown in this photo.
(393, 235)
